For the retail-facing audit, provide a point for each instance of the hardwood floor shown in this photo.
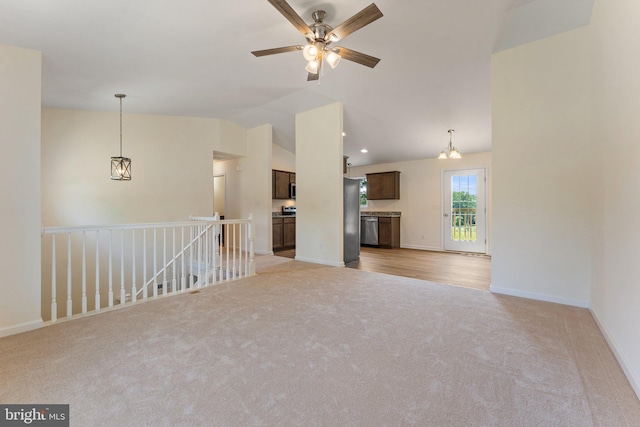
(467, 270)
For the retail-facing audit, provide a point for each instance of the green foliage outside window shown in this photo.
(363, 192)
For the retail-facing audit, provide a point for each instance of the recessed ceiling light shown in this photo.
(344, 134)
(364, 150)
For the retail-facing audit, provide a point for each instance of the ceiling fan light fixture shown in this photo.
(310, 52)
(333, 59)
(331, 37)
(319, 35)
(313, 66)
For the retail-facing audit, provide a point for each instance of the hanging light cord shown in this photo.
(120, 126)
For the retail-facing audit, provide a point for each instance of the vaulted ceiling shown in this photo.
(192, 58)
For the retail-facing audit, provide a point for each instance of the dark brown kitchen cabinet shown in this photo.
(383, 186)
(289, 232)
(278, 235)
(284, 233)
(280, 184)
(389, 232)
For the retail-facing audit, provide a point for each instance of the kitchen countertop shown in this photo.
(363, 213)
(376, 213)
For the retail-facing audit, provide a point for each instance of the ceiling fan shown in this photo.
(320, 35)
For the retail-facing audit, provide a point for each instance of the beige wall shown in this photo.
(421, 197)
(542, 170)
(171, 168)
(219, 194)
(565, 128)
(256, 185)
(20, 189)
(615, 298)
(319, 185)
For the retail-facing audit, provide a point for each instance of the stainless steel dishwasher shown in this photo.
(369, 230)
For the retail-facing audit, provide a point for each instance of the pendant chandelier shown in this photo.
(450, 152)
(120, 166)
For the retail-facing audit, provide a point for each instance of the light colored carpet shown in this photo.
(309, 345)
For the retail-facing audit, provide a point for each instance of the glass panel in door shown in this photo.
(464, 223)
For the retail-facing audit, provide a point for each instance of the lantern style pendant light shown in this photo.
(120, 166)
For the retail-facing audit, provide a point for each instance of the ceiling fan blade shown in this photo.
(360, 58)
(365, 17)
(287, 11)
(276, 50)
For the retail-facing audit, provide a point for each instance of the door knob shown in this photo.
(446, 215)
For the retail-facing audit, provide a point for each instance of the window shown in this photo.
(363, 193)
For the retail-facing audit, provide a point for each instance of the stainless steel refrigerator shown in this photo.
(351, 196)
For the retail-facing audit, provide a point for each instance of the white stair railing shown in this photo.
(151, 260)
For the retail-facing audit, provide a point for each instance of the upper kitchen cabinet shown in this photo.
(383, 186)
(281, 184)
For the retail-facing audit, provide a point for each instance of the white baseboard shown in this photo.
(318, 261)
(23, 327)
(421, 248)
(539, 297)
(263, 252)
(634, 379)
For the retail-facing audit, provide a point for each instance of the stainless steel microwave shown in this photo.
(292, 190)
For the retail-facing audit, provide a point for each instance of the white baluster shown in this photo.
(123, 292)
(174, 282)
(252, 264)
(216, 247)
(206, 255)
(199, 268)
(134, 289)
(110, 268)
(240, 272)
(246, 248)
(214, 252)
(223, 237)
(183, 280)
(235, 244)
(155, 263)
(54, 303)
(164, 261)
(228, 234)
(144, 265)
(191, 229)
(97, 296)
(84, 272)
(69, 300)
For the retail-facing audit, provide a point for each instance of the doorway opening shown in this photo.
(219, 194)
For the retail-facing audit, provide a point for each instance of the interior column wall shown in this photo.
(616, 294)
(319, 185)
(256, 185)
(20, 100)
(542, 170)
